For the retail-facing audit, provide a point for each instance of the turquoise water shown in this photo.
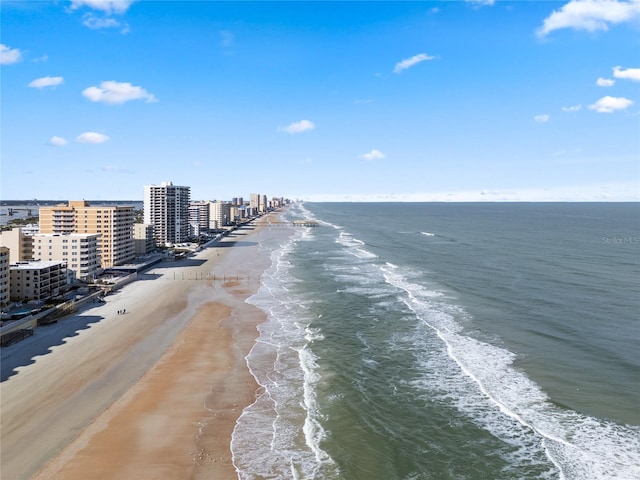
(475, 341)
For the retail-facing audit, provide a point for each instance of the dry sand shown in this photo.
(154, 393)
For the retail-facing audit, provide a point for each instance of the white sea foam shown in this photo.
(279, 435)
(354, 246)
(504, 401)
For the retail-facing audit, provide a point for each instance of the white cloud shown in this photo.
(298, 127)
(542, 118)
(605, 82)
(117, 92)
(106, 6)
(591, 15)
(622, 191)
(97, 23)
(57, 141)
(573, 108)
(46, 82)
(226, 38)
(482, 2)
(610, 104)
(91, 137)
(410, 62)
(106, 10)
(629, 74)
(373, 155)
(9, 55)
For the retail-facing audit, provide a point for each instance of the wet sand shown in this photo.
(154, 393)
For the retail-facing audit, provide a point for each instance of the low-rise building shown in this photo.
(36, 280)
(30, 229)
(143, 238)
(20, 244)
(78, 250)
(4, 276)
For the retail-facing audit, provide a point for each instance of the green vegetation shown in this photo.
(17, 222)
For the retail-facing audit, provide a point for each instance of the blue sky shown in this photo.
(418, 101)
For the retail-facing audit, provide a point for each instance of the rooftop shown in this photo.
(36, 264)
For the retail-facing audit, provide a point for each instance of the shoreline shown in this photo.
(154, 393)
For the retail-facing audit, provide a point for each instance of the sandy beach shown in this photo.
(154, 393)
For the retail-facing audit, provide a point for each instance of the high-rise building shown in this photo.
(198, 217)
(219, 215)
(254, 202)
(166, 207)
(114, 224)
(277, 202)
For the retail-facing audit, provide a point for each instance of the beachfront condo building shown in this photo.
(20, 244)
(4, 276)
(254, 202)
(219, 215)
(78, 250)
(238, 213)
(36, 280)
(166, 207)
(198, 218)
(277, 202)
(143, 238)
(113, 224)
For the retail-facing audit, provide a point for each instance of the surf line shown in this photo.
(505, 410)
(501, 406)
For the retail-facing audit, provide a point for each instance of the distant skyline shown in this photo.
(477, 100)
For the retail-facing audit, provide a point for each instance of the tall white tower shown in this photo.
(166, 207)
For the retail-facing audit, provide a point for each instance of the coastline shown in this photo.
(154, 393)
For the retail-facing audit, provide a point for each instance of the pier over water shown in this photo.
(295, 223)
(305, 223)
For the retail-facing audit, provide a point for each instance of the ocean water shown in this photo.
(448, 341)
